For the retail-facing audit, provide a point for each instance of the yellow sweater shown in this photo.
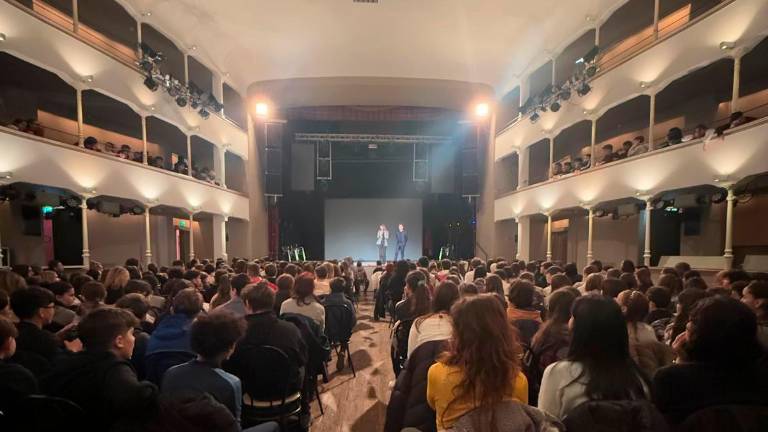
(441, 381)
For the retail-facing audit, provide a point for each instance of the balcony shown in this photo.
(648, 70)
(739, 153)
(43, 161)
(92, 57)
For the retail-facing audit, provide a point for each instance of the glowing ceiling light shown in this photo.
(482, 110)
(262, 109)
(726, 46)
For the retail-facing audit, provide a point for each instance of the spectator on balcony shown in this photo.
(212, 177)
(35, 128)
(567, 167)
(700, 131)
(138, 157)
(674, 136)
(157, 162)
(557, 169)
(109, 148)
(18, 124)
(623, 152)
(91, 143)
(124, 152)
(639, 146)
(608, 155)
(181, 166)
(586, 158)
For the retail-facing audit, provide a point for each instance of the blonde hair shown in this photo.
(117, 277)
(10, 282)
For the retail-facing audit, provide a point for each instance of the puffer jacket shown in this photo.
(615, 416)
(408, 404)
(509, 416)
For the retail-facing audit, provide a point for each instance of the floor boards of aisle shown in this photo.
(358, 404)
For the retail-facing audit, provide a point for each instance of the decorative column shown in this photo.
(651, 121)
(219, 164)
(728, 252)
(220, 236)
(656, 20)
(84, 217)
(551, 154)
(592, 156)
(191, 235)
(523, 237)
(647, 248)
(144, 138)
(189, 155)
(590, 232)
(148, 240)
(522, 168)
(549, 235)
(79, 99)
(736, 82)
(75, 17)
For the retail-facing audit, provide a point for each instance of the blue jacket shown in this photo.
(171, 334)
(402, 237)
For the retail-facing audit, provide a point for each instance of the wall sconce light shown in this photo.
(2, 37)
(727, 46)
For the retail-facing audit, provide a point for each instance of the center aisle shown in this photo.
(357, 404)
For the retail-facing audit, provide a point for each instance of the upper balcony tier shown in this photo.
(89, 60)
(649, 70)
(37, 160)
(741, 152)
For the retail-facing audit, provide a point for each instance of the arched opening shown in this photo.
(234, 109)
(111, 127)
(166, 146)
(538, 162)
(234, 172)
(203, 167)
(572, 149)
(620, 127)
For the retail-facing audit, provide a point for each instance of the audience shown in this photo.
(435, 325)
(16, 381)
(235, 304)
(521, 312)
(304, 301)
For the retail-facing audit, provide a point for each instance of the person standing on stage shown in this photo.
(402, 238)
(382, 240)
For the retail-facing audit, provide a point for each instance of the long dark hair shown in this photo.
(446, 294)
(601, 345)
(416, 282)
(560, 303)
(485, 347)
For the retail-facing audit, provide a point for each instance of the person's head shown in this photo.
(634, 305)
(193, 276)
(445, 264)
(285, 283)
(639, 139)
(731, 276)
(64, 293)
(338, 285)
(755, 295)
(682, 268)
(521, 294)
(736, 118)
(600, 343)
(132, 262)
(658, 298)
(213, 337)
(696, 282)
(136, 303)
(485, 348)
(494, 284)
(8, 335)
(612, 287)
(675, 135)
(33, 304)
(612, 273)
(527, 276)
(629, 280)
(559, 280)
(56, 265)
(258, 297)
(108, 329)
(607, 149)
(594, 283)
(382, 227)
(321, 272)
(138, 286)
(559, 307)
(671, 282)
(94, 292)
(446, 294)
(12, 281)
(400, 227)
(722, 330)
(48, 277)
(188, 302)
(626, 145)
(253, 270)
(468, 289)
(557, 168)
(417, 291)
(643, 275)
(239, 282)
(627, 266)
(304, 287)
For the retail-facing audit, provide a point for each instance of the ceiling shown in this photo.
(479, 41)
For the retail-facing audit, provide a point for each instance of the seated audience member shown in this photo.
(611, 287)
(721, 354)
(181, 166)
(659, 300)
(337, 296)
(464, 378)
(264, 328)
(737, 119)
(235, 305)
(674, 136)
(416, 301)
(556, 282)
(686, 301)
(100, 379)
(557, 169)
(437, 324)
(93, 293)
(115, 282)
(304, 301)
(494, 284)
(16, 382)
(253, 270)
(521, 312)
(223, 282)
(169, 343)
(91, 143)
(755, 295)
(322, 283)
(593, 284)
(624, 150)
(567, 167)
(138, 305)
(598, 366)
(284, 290)
(212, 338)
(586, 158)
(698, 283)
(65, 305)
(727, 278)
(468, 289)
(48, 277)
(550, 344)
(639, 146)
(37, 349)
(644, 347)
(700, 131)
(644, 281)
(607, 154)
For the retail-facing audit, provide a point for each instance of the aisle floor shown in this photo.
(357, 404)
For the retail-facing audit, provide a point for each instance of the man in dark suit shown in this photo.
(402, 239)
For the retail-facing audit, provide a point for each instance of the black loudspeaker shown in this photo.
(274, 135)
(274, 160)
(273, 154)
(31, 215)
(274, 184)
(470, 185)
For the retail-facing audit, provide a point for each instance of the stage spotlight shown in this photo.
(136, 210)
(658, 204)
(146, 66)
(72, 202)
(564, 95)
(181, 101)
(727, 46)
(203, 113)
(482, 110)
(2, 37)
(535, 117)
(194, 103)
(589, 56)
(555, 107)
(591, 71)
(717, 197)
(600, 213)
(583, 89)
(151, 84)
(262, 109)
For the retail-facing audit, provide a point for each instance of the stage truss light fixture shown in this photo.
(151, 84)
(535, 117)
(555, 107)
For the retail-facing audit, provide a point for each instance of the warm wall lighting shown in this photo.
(644, 84)
(482, 110)
(147, 14)
(193, 48)
(262, 109)
(726, 46)
(87, 79)
(2, 37)
(5, 175)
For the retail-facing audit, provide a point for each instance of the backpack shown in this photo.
(532, 372)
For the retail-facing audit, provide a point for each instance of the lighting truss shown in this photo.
(373, 138)
(149, 64)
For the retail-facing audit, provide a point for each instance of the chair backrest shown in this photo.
(38, 413)
(615, 416)
(267, 373)
(338, 322)
(158, 363)
(732, 418)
